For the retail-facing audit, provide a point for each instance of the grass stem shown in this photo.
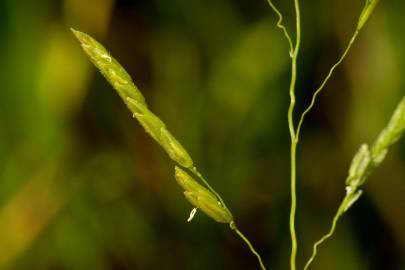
(328, 76)
(324, 238)
(252, 249)
(281, 26)
(294, 141)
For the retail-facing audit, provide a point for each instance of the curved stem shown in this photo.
(324, 238)
(280, 24)
(293, 136)
(233, 227)
(232, 224)
(293, 207)
(298, 26)
(317, 91)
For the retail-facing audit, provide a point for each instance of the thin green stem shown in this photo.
(232, 224)
(293, 207)
(280, 25)
(324, 238)
(298, 26)
(233, 227)
(293, 136)
(294, 142)
(328, 76)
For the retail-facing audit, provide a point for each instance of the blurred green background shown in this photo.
(83, 187)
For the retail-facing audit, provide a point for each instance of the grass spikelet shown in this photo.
(362, 165)
(133, 98)
(188, 183)
(391, 134)
(201, 198)
(366, 12)
(174, 149)
(358, 167)
(109, 67)
(158, 131)
(351, 197)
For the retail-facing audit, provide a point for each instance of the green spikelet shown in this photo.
(366, 159)
(133, 98)
(109, 67)
(149, 121)
(390, 135)
(202, 198)
(158, 131)
(359, 167)
(189, 184)
(367, 11)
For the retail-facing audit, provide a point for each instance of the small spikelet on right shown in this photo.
(367, 11)
(390, 134)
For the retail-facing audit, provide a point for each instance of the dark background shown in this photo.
(83, 187)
